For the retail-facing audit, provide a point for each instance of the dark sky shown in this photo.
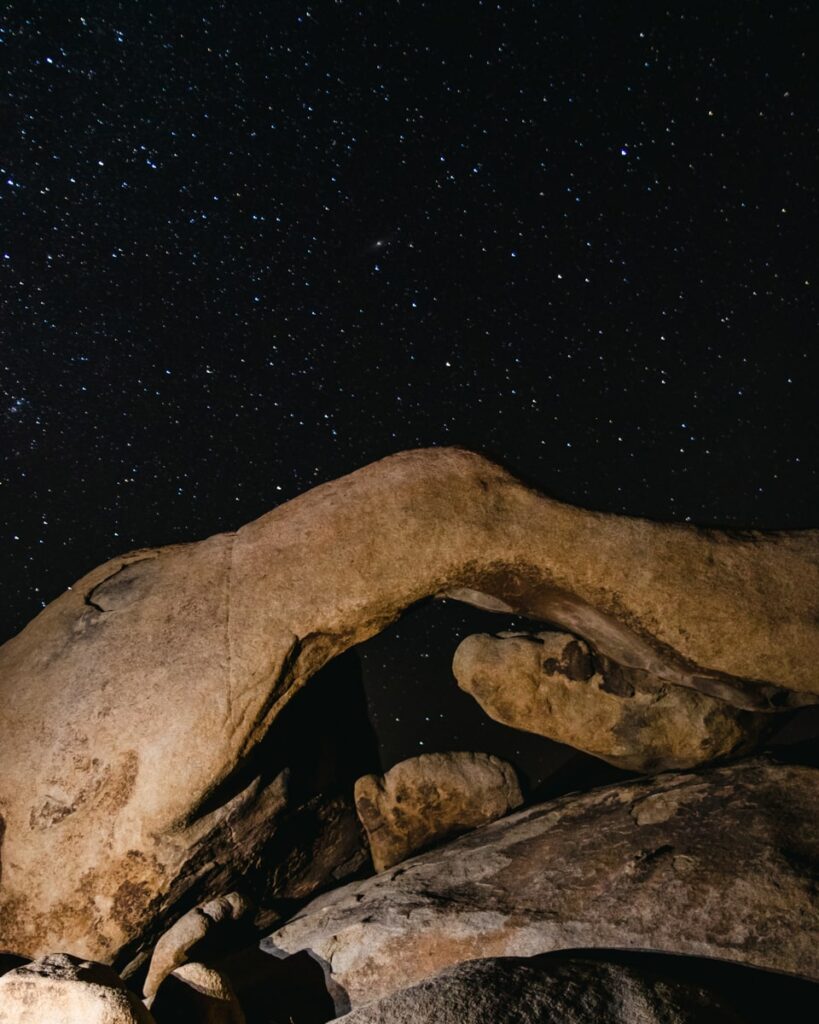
(247, 248)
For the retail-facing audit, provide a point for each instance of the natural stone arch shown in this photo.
(132, 701)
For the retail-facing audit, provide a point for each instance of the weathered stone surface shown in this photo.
(719, 863)
(432, 797)
(140, 708)
(571, 991)
(188, 938)
(197, 994)
(554, 684)
(61, 989)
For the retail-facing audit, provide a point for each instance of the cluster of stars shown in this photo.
(247, 249)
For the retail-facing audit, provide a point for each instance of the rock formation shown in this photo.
(188, 939)
(553, 684)
(64, 989)
(511, 990)
(432, 797)
(140, 749)
(197, 994)
(718, 863)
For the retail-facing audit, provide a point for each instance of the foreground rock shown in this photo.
(194, 934)
(554, 685)
(718, 863)
(142, 749)
(61, 989)
(197, 994)
(426, 799)
(571, 991)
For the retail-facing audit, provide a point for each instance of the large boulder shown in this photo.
(555, 685)
(511, 990)
(432, 797)
(718, 863)
(143, 751)
(61, 989)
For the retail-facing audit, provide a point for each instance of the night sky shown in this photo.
(248, 248)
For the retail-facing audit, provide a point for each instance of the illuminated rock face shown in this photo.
(141, 770)
(555, 685)
(716, 863)
(432, 797)
(65, 989)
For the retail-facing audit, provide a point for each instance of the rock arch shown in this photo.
(131, 700)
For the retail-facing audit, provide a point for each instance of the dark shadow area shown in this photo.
(803, 751)
(10, 961)
(579, 773)
(330, 711)
(757, 996)
(279, 991)
(325, 738)
(802, 728)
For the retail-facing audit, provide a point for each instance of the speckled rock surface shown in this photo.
(60, 989)
(432, 797)
(140, 707)
(572, 991)
(719, 863)
(555, 685)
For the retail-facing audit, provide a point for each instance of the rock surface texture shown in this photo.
(141, 751)
(554, 685)
(515, 991)
(61, 989)
(432, 797)
(719, 863)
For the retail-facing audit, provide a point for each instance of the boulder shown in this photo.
(717, 863)
(143, 748)
(62, 989)
(432, 797)
(197, 993)
(555, 685)
(509, 990)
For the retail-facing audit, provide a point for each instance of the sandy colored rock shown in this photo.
(571, 991)
(61, 989)
(140, 708)
(197, 993)
(188, 938)
(432, 797)
(555, 685)
(716, 863)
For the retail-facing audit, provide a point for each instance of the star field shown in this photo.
(248, 248)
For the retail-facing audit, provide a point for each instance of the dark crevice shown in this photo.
(92, 604)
